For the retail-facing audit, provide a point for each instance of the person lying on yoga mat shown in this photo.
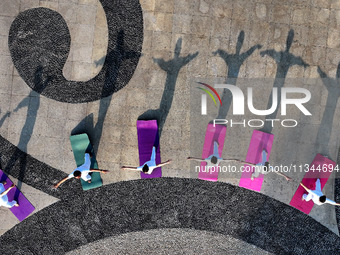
(82, 171)
(3, 196)
(264, 168)
(214, 159)
(316, 195)
(149, 166)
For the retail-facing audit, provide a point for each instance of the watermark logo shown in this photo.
(204, 97)
(279, 98)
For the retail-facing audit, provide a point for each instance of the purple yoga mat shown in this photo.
(212, 134)
(25, 207)
(147, 132)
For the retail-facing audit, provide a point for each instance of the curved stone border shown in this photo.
(170, 203)
(39, 42)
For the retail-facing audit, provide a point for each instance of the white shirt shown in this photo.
(316, 194)
(84, 169)
(85, 173)
(4, 199)
(151, 164)
(210, 164)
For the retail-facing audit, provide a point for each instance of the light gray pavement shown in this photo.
(203, 26)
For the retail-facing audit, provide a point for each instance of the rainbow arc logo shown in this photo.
(204, 97)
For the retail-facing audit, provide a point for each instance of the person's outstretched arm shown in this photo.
(99, 171)
(239, 161)
(164, 163)
(285, 176)
(307, 189)
(62, 181)
(198, 159)
(6, 191)
(328, 201)
(129, 168)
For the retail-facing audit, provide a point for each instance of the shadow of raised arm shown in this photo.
(2, 120)
(271, 53)
(175, 64)
(223, 54)
(246, 54)
(298, 61)
(322, 73)
(332, 85)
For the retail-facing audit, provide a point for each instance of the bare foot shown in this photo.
(89, 181)
(4, 183)
(16, 205)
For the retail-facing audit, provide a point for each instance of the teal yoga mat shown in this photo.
(81, 144)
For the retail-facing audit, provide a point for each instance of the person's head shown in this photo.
(213, 160)
(77, 174)
(322, 199)
(266, 166)
(145, 168)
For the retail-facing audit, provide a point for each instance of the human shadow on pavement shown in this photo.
(32, 102)
(325, 128)
(284, 60)
(115, 58)
(234, 63)
(172, 67)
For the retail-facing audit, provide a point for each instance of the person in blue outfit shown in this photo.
(4, 198)
(264, 168)
(316, 195)
(82, 171)
(148, 166)
(214, 159)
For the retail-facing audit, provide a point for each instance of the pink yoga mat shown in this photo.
(25, 208)
(212, 134)
(147, 132)
(259, 141)
(325, 169)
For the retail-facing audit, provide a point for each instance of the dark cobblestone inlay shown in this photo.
(39, 39)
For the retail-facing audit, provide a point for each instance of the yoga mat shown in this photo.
(309, 181)
(147, 132)
(212, 134)
(81, 144)
(259, 141)
(25, 208)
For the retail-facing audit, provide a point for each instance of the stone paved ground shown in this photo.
(187, 27)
